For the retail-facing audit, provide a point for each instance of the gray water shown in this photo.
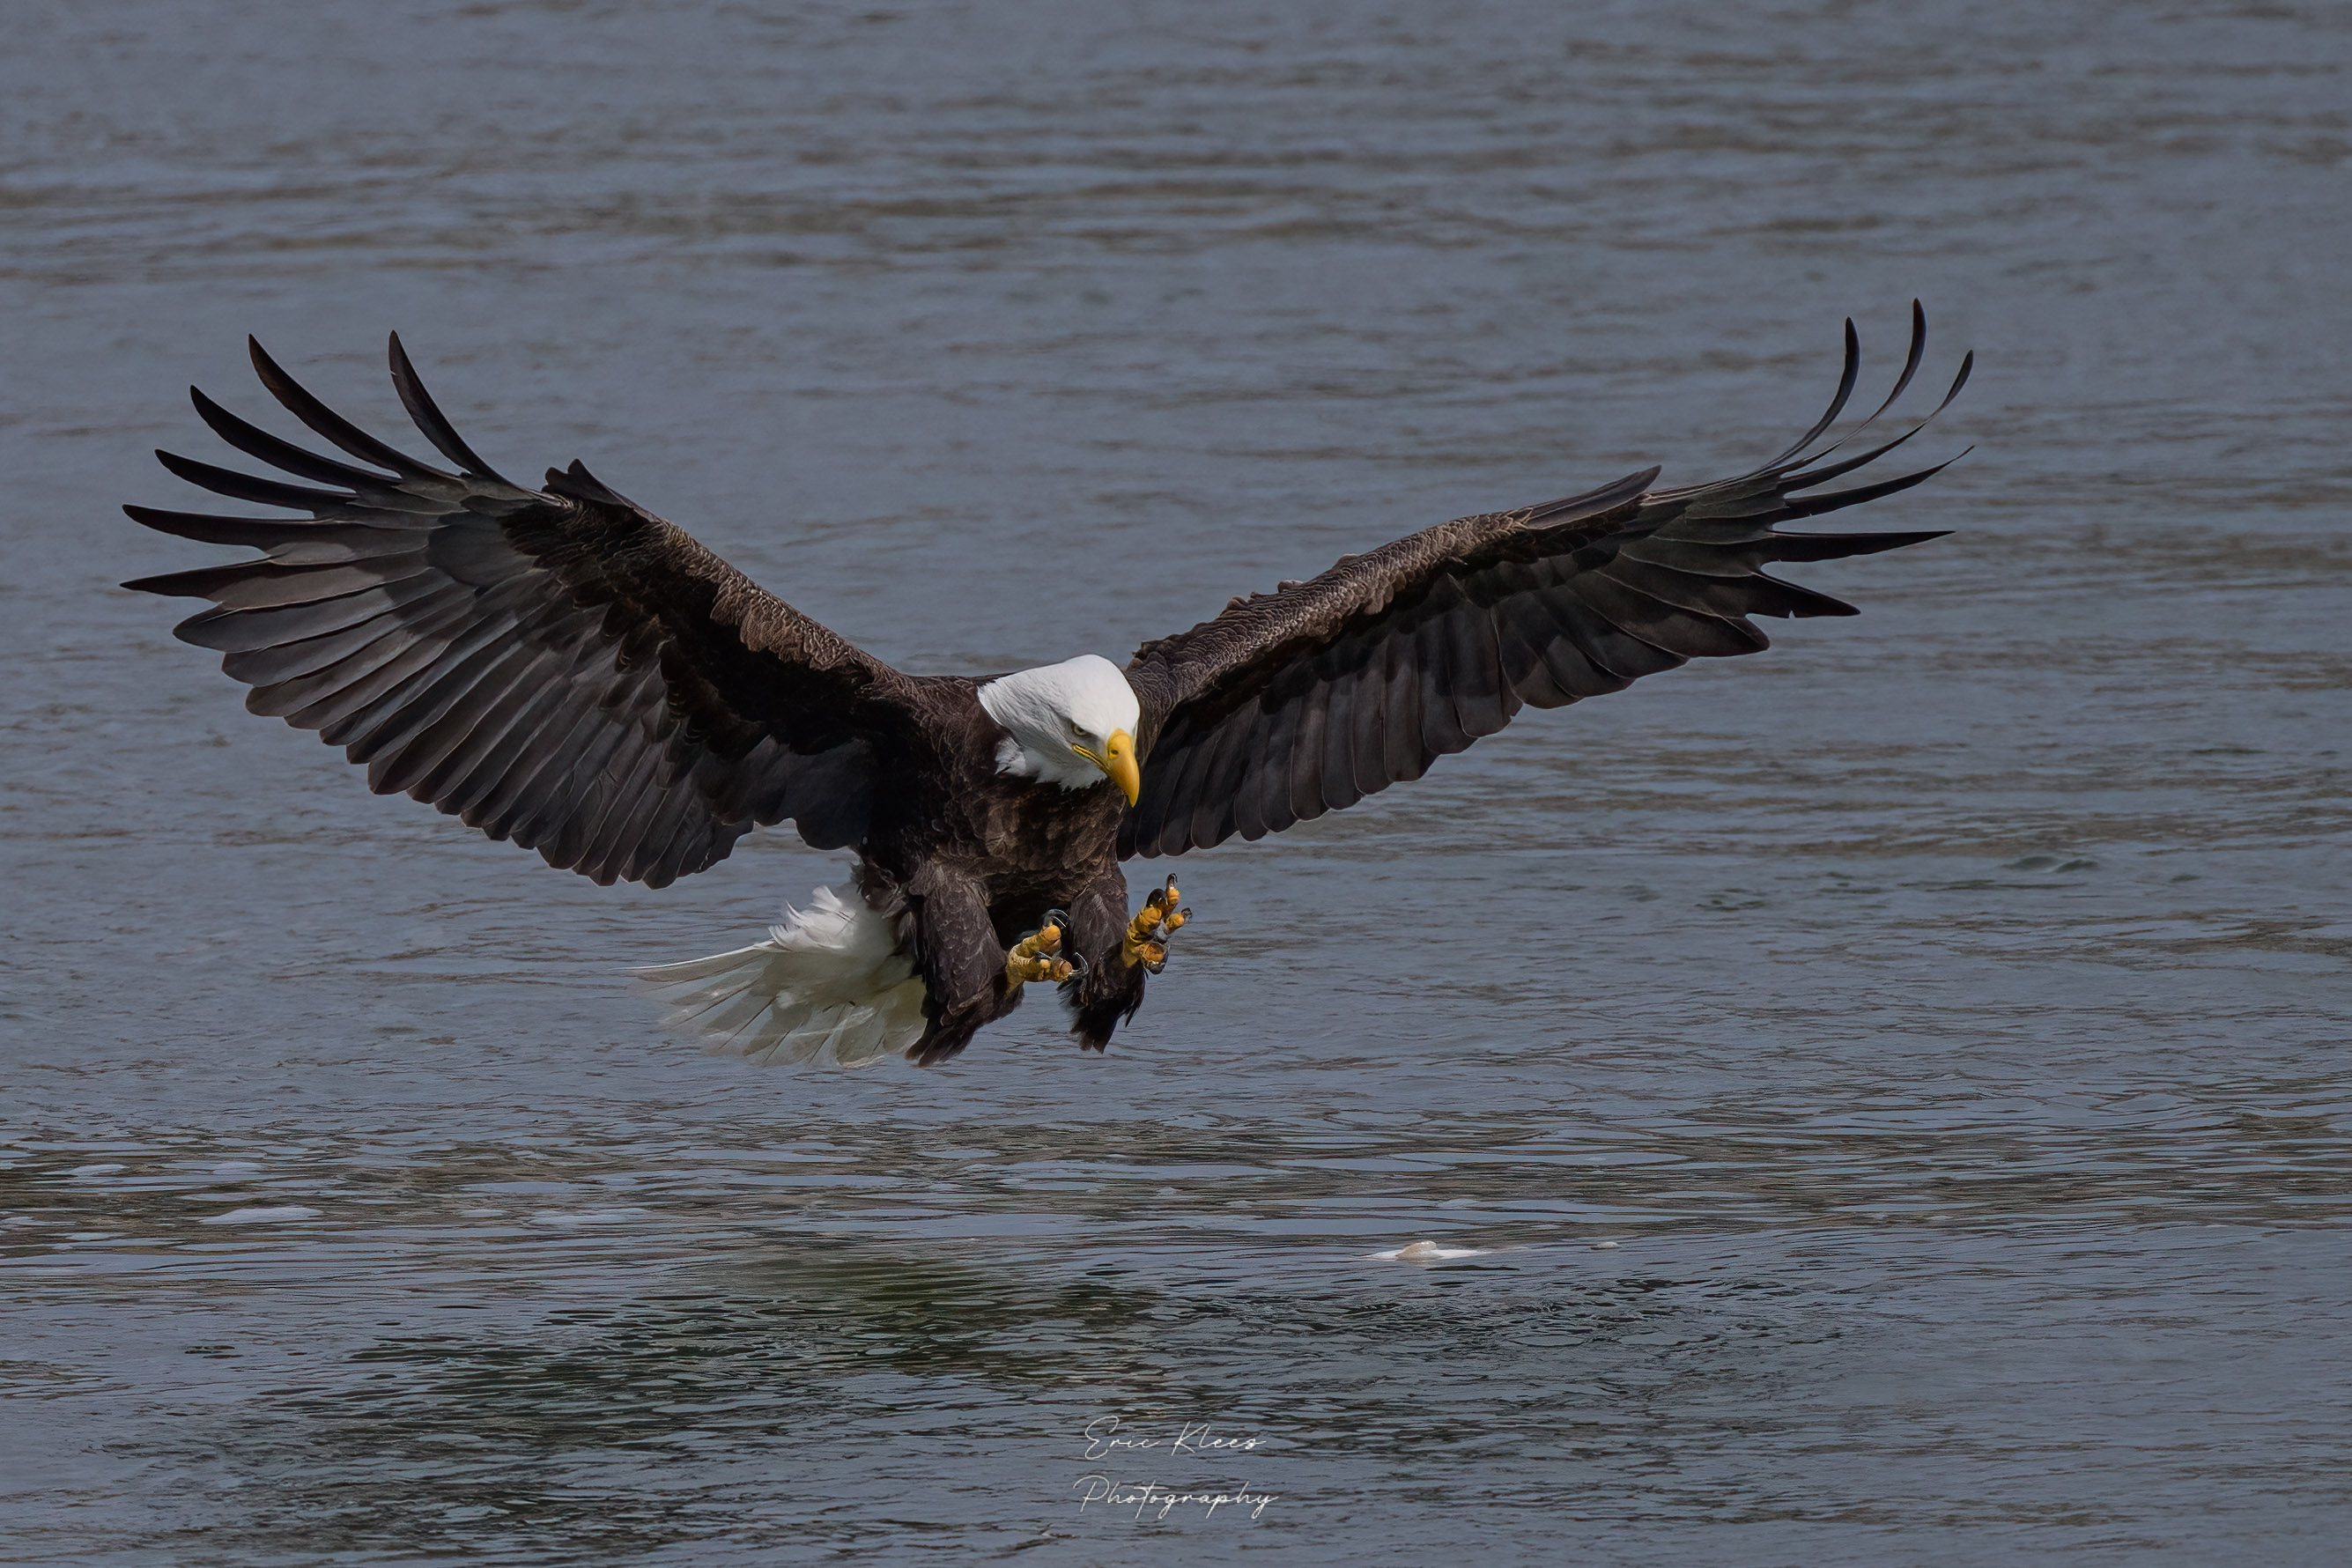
(1887, 1095)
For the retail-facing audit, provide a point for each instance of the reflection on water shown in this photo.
(1878, 1101)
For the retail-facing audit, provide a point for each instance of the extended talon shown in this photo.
(1146, 942)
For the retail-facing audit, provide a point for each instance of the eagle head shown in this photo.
(1071, 723)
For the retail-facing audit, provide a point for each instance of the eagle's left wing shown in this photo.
(1307, 699)
(557, 667)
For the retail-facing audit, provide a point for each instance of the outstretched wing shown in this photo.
(1307, 699)
(558, 667)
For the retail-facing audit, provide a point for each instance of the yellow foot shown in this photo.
(1037, 956)
(1147, 934)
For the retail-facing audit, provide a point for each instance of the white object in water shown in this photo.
(831, 984)
(1428, 1252)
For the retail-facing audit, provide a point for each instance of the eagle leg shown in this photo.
(1146, 942)
(1038, 955)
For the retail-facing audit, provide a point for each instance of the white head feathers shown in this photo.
(1056, 713)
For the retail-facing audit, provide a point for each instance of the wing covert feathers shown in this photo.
(1307, 699)
(558, 667)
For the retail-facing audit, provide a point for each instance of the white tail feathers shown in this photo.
(830, 986)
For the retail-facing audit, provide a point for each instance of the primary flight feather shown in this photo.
(562, 668)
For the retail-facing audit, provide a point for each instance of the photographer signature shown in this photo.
(1103, 1440)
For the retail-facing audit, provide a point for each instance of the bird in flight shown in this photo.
(562, 668)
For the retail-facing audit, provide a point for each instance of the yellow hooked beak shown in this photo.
(1116, 760)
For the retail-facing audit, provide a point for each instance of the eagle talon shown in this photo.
(1146, 942)
(1037, 956)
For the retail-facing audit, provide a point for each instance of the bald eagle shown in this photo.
(562, 668)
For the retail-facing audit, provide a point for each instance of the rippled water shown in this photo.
(1883, 1101)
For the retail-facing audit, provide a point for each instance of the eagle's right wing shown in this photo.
(558, 667)
(1307, 699)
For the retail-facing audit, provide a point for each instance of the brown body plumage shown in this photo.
(560, 667)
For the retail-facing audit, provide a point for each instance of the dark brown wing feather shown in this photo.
(1304, 700)
(558, 667)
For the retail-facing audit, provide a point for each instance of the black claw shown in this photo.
(1058, 919)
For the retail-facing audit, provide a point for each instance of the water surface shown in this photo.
(1880, 1101)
